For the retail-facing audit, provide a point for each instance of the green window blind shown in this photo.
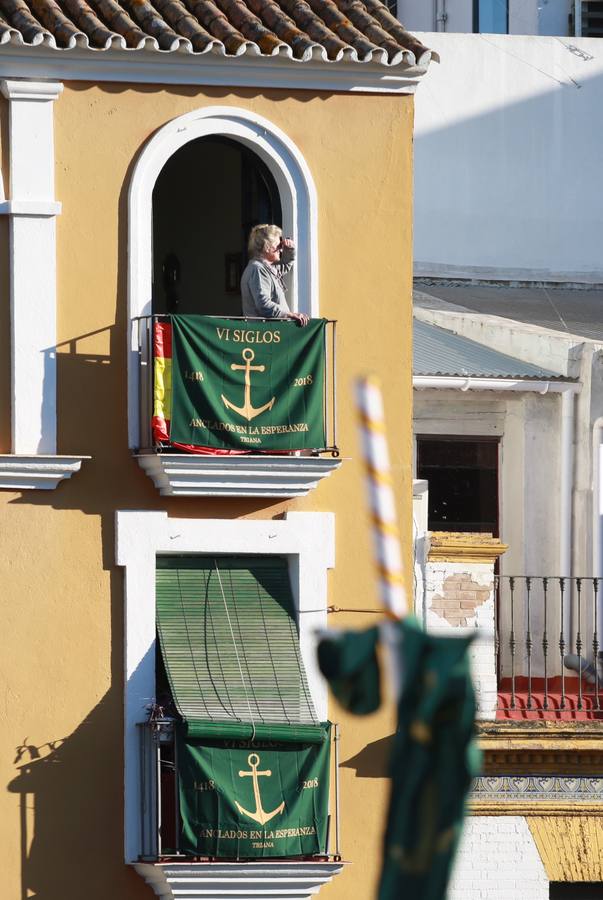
(230, 646)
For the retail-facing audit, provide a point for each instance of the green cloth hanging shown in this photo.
(434, 755)
(349, 663)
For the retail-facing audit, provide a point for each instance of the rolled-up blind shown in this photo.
(230, 646)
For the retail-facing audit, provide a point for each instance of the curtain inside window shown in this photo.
(230, 646)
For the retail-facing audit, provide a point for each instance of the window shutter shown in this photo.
(230, 647)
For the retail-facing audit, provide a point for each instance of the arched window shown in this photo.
(206, 200)
(173, 185)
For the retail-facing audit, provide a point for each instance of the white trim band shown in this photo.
(188, 475)
(43, 208)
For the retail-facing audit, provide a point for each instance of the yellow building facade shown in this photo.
(84, 137)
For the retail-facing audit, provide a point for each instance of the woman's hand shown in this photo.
(299, 318)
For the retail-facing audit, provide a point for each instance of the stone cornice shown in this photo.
(461, 547)
(187, 880)
(533, 808)
(564, 748)
(19, 472)
(30, 90)
(518, 807)
(144, 67)
(188, 475)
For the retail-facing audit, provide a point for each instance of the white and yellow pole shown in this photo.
(386, 534)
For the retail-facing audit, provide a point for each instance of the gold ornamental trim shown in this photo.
(525, 748)
(464, 547)
(539, 808)
(569, 846)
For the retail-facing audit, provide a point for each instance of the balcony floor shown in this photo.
(563, 702)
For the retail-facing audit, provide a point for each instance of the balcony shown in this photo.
(537, 653)
(246, 450)
(548, 648)
(172, 872)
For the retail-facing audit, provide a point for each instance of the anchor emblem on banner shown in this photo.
(248, 411)
(259, 816)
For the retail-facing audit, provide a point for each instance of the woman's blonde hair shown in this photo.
(260, 238)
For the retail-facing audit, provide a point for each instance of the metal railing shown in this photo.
(144, 332)
(548, 645)
(159, 792)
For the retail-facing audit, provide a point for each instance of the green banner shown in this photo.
(248, 385)
(241, 800)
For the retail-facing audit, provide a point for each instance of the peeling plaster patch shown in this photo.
(461, 595)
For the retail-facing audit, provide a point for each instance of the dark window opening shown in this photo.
(571, 890)
(163, 692)
(462, 474)
(207, 198)
(392, 5)
(491, 16)
(592, 18)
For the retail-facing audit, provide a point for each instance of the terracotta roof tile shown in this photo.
(334, 30)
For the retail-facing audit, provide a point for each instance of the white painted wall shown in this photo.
(498, 860)
(508, 137)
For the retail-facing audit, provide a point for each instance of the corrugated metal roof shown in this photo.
(437, 352)
(572, 311)
(329, 30)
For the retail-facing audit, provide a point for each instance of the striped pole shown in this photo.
(386, 536)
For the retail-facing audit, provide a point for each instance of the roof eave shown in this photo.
(463, 383)
(211, 69)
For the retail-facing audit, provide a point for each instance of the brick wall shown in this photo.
(460, 595)
(498, 860)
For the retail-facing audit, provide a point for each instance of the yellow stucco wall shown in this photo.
(61, 682)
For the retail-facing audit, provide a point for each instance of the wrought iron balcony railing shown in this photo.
(549, 648)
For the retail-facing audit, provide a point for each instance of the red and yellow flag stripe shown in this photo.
(162, 381)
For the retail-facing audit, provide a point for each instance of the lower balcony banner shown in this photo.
(248, 385)
(241, 800)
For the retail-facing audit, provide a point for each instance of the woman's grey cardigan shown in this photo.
(263, 287)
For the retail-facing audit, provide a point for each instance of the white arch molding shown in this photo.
(298, 201)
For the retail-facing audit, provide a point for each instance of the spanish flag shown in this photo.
(162, 383)
(162, 395)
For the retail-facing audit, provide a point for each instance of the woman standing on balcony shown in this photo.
(262, 283)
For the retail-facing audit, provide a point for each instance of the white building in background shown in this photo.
(509, 254)
(554, 17)
(508, 160)
(509, 226)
